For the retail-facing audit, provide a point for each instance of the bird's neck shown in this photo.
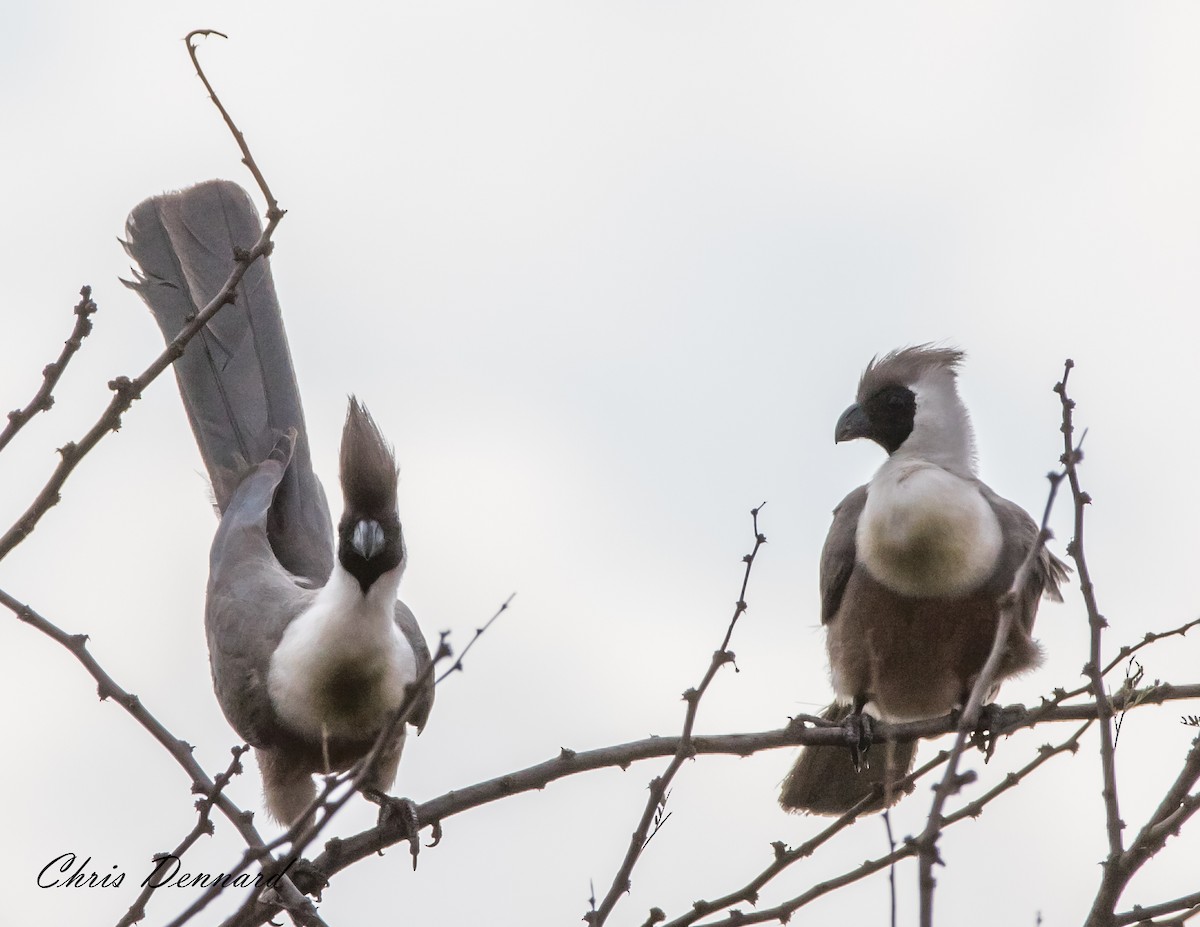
(942, 433)
(343, 593)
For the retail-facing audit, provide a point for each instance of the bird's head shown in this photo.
(370, 541)
(908, 404)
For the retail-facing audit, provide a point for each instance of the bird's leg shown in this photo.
(993, 720)
(404, 811)
(859, 729)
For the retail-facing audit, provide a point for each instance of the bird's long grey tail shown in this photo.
(236, 377)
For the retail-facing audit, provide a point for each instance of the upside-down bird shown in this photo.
(311, 653)
(912, 574)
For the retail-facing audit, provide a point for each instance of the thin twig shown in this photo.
(1096, 624)
(1010, 603)
(273, 211)
(1175, 809)
(660, 784)
(126, 390)
(1189, 904)
(887, 826)
(785, 857)
(784, 911)
(1061, 695)
(204, 827)
(435, 811)
(43, 399)
(180, 750)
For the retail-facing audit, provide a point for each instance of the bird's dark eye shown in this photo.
(897, 400)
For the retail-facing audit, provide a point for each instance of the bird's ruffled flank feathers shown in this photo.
(368, 464)
(905, 366)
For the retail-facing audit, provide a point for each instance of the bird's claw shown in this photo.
(993, 721)
(860, 728)
(308, 878)
(402, 810)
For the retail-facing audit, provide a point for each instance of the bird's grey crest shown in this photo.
(368, 464)
(904, 366)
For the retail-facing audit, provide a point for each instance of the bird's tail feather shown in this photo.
(236, 377)
(824, 780)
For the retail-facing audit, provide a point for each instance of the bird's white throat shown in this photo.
(942, 432)
(926, 532)
(343, 665)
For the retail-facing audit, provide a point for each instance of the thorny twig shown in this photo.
(784, 856)
(204, 827)
(660, 784)
(926, 843)
(784, 911)
(180, 750)
(1188, 906)
(126, 390)
(43, 399)
(344, 852)
(273, 210)
(1096, 623)
(1176, 808)
(1062, 695)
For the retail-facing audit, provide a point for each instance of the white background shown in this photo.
(607, 273)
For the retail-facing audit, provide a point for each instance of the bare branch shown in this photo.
(1175, 809)
(783, 912)
(1189, 905)
(274, 213)
(43, 399)
(1151, 637)
(126, 390)
(660, 784)
(340, 854)
(785, 857)
(1071, 457)
(179, 749)
(203, 827)
(926, 843)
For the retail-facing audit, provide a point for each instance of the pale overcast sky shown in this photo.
(606, 274)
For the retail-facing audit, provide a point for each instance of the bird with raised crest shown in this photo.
(312, 655)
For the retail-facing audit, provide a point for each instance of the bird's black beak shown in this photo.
(852, 424)
(368, 538)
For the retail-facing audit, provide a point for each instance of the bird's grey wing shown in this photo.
(251, 600)
(1020, 533)
(406, 621)
(839, 553)
(236, 377)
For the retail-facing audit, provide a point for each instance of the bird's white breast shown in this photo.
(342, 666)
(925, 532)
